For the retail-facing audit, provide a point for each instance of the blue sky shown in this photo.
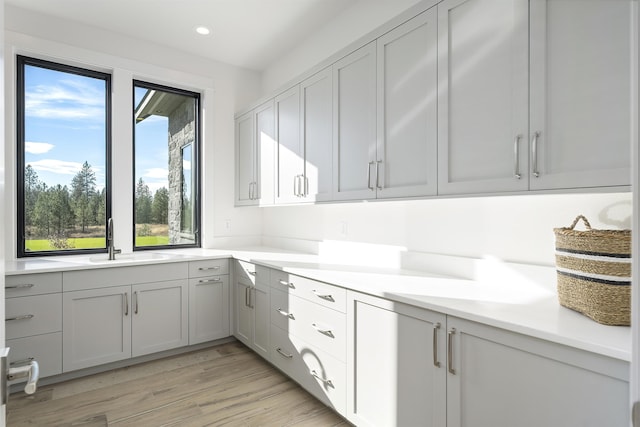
(65, 126)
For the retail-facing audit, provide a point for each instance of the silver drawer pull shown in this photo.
(450, 335)
(253, 273)
(22, 362)
(318, 377)
(282, 353)
(285, 314)
(20, 286)
(326, 332)
(287, 284)
(327, 297)
(217, 279)
(436, 363)
(217, 267)
(21, 317)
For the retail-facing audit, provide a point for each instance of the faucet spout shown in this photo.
(110, 247)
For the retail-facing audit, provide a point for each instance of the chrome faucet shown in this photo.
(110, 248)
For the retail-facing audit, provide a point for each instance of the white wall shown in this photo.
(346, 28)
(514, 228)
(225, 89)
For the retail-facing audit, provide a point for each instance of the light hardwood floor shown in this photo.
(226, 385)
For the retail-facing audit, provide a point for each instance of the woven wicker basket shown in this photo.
(594, 272)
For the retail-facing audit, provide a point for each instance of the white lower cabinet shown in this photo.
(412, 366)
(396, 366)
(504, 379)
(251, 307)
(97, 327)
(208, 308)
(160, 318)
(114, 323)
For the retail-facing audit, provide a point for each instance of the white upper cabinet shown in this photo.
(245, 160)
(354, 124)
(290, 149)
(316, 119)
(580, 93)
(482, 103)
(255, 148)
(265, 137)
(406, 163)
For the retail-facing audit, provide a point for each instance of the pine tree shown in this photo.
(160, 206)
(83, 188)
(143, 203)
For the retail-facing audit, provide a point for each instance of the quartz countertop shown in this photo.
(520, 299)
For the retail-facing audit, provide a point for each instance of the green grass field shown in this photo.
(93, 242)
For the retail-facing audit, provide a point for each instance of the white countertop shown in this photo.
(521, 299)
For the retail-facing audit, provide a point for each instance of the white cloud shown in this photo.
(155, 186)
(156, 173)
(186, 165)
(56, 166)
(66, 100)
(37, 147)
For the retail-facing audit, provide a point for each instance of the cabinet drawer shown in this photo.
(316, 324)
(301, 361)
(321, 293)
(245, 270)
(45, 349)
(36, 315)
(210, 267)
(32, 284)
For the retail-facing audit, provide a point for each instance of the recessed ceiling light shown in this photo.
(203, 31)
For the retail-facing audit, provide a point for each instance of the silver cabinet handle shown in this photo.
(22, 362)
(246, 297)
(534, 153)
(204, 281)
(326, 332)
(369, 186)
(378, 186)
(217, 267)
(327, 297)
(20, 286)
(516, 157)
(436, 327)
(135, 296)
(31, 371)
(253, 273)
(306, 185)
(285, 314)
(20, 317)
(318, 377)
(282, 353)
(250, 191)
(287, 284)
(126, 303)
(450, 335)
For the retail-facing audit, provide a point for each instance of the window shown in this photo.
(166, 172)
(63, 134)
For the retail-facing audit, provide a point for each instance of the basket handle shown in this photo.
(584, 220)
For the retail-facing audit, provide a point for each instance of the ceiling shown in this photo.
(245, 33)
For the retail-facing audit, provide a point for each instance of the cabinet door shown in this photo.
(395, 364)
(265, 138)
(316, 112)
(407, 113)
(483, 99)
(503, 379)
(261, 305)
(96, 327)
(245, 160)
(208, 309)
(290, 151)
(354, 118)
(160, 316)
(581, 93)
(243, 313)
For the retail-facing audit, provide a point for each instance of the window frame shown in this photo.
(21, 62)
(195, 167)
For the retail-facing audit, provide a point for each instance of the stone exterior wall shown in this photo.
(182, 131)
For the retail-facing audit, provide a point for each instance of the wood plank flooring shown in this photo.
(226, 385)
